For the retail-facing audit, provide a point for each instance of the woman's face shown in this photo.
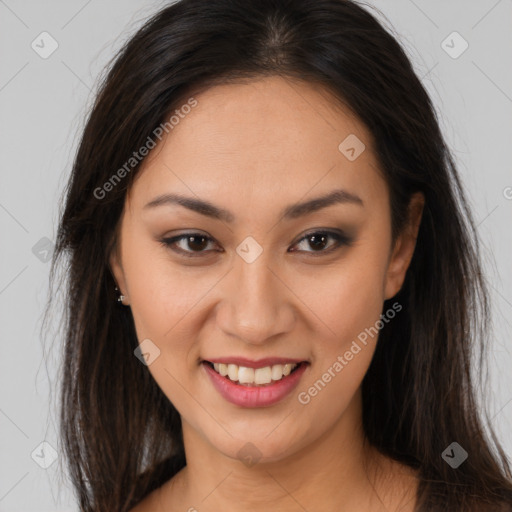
(256, 286)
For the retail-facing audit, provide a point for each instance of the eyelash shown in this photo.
(340, 238)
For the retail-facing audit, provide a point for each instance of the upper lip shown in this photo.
(259, 363)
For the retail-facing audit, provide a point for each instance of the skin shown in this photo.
(254, 148)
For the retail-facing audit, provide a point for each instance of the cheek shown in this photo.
(162, 293)
(165, 301)
(349, 304)
(347, 298)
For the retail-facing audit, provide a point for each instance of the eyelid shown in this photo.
(340, 237)
(168, 243)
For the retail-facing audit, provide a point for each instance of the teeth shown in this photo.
(251, 376)
(233, 371)
(277, 371)
(263, 375)
(245, 375)
(287, 368)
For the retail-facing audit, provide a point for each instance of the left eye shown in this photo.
(318, 240)
(197, 241)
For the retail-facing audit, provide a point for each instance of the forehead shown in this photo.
(260, 139)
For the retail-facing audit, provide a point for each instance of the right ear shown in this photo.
(116, 268)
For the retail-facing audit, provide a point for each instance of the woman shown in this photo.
(274, 279)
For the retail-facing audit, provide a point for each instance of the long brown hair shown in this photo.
(121, 435)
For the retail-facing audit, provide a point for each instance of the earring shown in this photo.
(121, 297)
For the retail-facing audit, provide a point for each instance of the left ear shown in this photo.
(404, 247)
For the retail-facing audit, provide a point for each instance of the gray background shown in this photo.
(42, 107)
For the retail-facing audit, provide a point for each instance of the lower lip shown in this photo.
(255, 396)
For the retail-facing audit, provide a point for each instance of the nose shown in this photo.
(257, 305)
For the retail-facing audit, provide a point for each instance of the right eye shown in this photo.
(195, 241)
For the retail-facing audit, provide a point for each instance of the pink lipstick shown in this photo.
(255, 395)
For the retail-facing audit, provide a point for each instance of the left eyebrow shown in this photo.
(293, 211)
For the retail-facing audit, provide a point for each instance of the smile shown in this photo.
(254, 387)
(254, 376)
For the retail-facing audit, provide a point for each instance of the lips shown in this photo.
(258, 363)
(255, 395)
